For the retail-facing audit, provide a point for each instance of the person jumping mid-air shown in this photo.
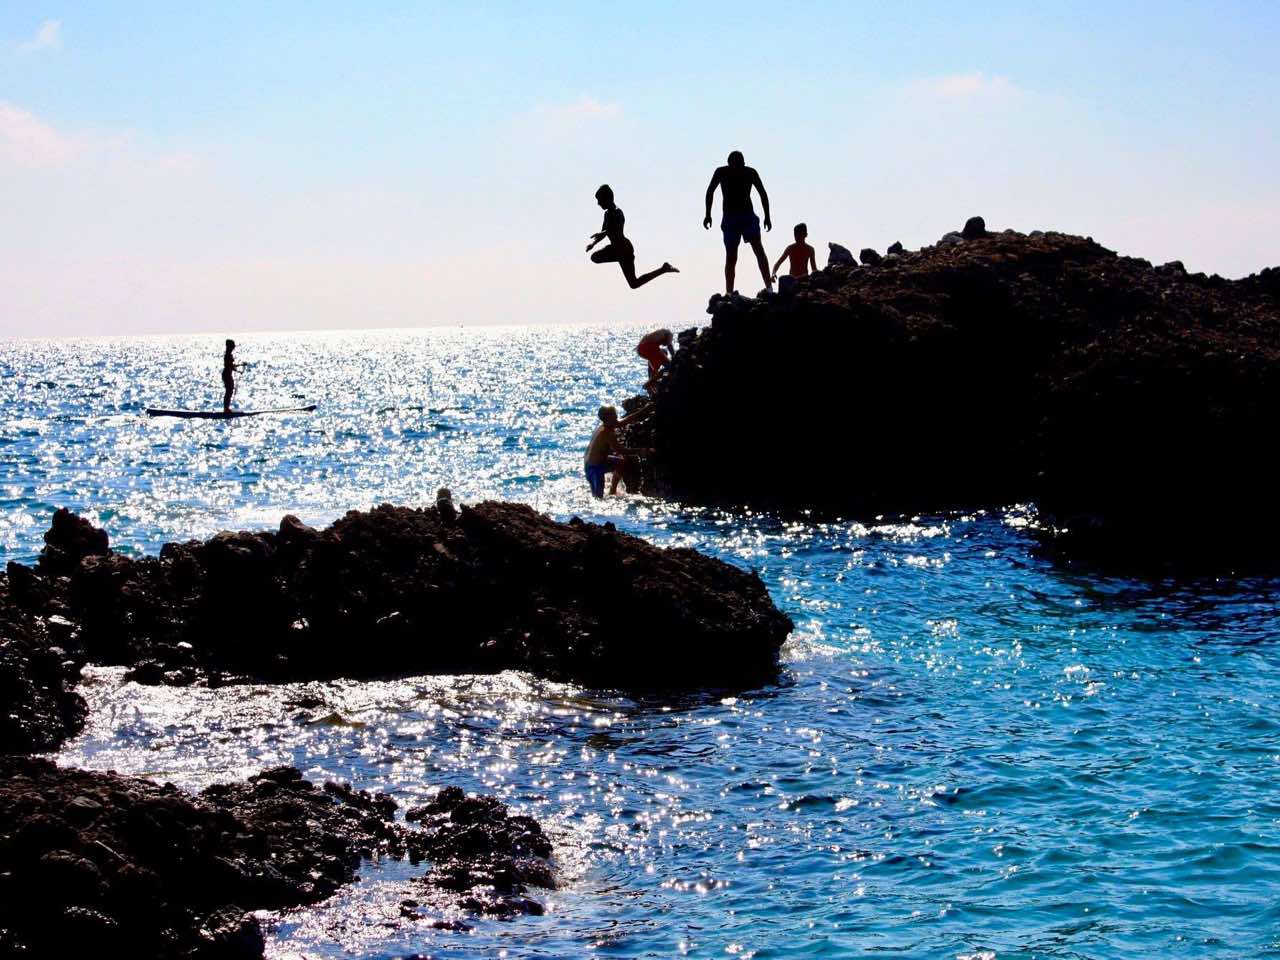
(605, 452)
(652, 349)
(739, 221)
(619, 249)
(801, 256)
(229, 366)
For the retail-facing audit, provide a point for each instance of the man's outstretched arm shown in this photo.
(637, 416)
(616, 447)
(764, 200)
(711, 196)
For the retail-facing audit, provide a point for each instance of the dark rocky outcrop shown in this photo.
(108, 865)
(837, 254)
(1135, 405)
(869, 256)
(975, 228)
(69, 540)
(482, 852)
(38, 706)
(310, 839)
(102, 865)
(396, 591)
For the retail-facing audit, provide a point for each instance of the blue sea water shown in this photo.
(970, 752)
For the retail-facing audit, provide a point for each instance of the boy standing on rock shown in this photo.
(801, 256)
(606, 454)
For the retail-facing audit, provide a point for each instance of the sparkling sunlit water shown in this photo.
(970, 752)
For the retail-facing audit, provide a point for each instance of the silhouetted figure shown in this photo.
(229, 366)
(606, 454)
(738, 219)
(656, 347)
(619, 249)
(444, 505)
(800, 254)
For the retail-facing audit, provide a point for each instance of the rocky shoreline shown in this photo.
(100, 862)
(107, 865)
(1130, 403)
(396, 591)
(37, 680)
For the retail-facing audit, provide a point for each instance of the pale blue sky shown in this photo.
(170, 167)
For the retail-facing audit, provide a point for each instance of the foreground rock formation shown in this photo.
(482, 852)
(38, 706)
(1135, 405)
(398, 591)
(96, 864)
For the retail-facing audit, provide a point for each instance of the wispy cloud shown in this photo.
(584, 107)
(48, 37)
(30, 142)
(960, 86)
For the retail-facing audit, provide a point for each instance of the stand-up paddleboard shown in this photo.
(223, 415)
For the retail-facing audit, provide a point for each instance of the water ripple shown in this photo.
(970, 754)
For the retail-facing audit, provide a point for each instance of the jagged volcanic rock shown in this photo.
(104, 865)
(118, 866)
(482, 852)
(69, 540)
(282, 857)
(1136, 405)
(38, 706)
(400, 591)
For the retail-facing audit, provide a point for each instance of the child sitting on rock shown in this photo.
(606, 454)
(656, 347)
(801, 256)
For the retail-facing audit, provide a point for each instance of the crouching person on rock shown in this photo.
(656, 347)
(606, 454)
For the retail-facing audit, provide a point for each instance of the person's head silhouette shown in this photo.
(801, 232)
(604, 196)
(231, 344)
(736, 159)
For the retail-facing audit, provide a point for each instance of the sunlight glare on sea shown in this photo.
(969, 753)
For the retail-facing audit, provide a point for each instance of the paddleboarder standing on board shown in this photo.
(229, 366)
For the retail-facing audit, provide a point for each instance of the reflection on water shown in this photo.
(969, 754)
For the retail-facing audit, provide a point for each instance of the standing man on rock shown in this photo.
(739, 221)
